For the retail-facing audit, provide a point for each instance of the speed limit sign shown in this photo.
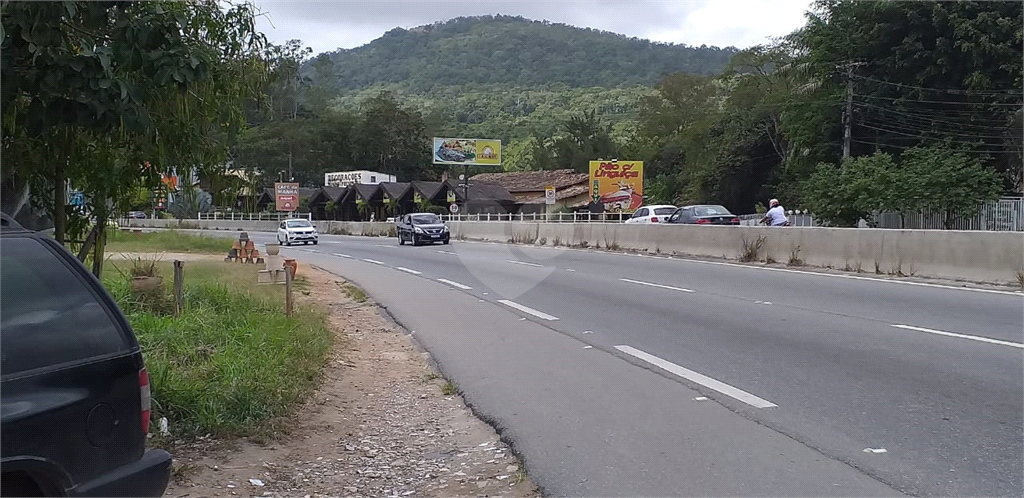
(453, 208)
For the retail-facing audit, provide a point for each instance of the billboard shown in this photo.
(468, 151)
(287, 196)
(618, 185)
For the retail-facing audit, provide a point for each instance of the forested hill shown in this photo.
(513, 51)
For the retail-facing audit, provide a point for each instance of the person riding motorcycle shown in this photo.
(776, 216)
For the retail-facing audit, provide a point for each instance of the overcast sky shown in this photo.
(328, 25)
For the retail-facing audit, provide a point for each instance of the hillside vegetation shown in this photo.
(515, 52)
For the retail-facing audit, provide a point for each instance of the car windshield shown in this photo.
(425, 219)
(299, 224)
(710, 211)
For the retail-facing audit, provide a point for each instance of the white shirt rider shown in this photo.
(776, 214)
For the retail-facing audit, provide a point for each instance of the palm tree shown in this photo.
(363, 206)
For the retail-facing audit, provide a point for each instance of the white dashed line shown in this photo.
(961, 336)
(374, 261)
(414, 272)
(701, 379)
(527, 309)
(382, 245)
(524, 263)
(342, 255)
(448, 252)
(669, 287)
(454, 284)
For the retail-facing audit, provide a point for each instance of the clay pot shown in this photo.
(292, 263)
(273, 249)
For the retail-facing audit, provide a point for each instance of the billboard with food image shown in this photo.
(471, 151)
(618, 185)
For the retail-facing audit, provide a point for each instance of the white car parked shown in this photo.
(297, 230)
(658, 213)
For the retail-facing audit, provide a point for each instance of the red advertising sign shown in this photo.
(287, 196)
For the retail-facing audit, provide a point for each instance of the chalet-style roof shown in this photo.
(328, 194)
(528, 181)
(396, 190)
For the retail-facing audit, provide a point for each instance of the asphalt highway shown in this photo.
(621, 375)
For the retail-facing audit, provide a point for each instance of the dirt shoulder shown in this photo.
(380, 425)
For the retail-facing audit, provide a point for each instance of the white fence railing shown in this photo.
(538, 217)
(1004, 215)
(233, 216)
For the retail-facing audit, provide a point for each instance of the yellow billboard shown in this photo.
(470, 151)
(618, 185)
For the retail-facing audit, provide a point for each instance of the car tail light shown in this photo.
(654, 219)
(703, 221)
(146, 399)
(735, 221)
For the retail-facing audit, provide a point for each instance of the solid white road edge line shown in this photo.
(414, 272)
(669, 287)
(342, 255)
(527, 309)
(701, 379)
(454, 284)
(524, 263)
(374, 261)
(786, 270)
(961, 336)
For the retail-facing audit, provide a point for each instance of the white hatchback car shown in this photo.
(297, 230)
(658, 213)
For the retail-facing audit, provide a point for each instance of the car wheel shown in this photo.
(305, 242)
(315, 242)
(446, 241)
(401, 240)
(415, 240)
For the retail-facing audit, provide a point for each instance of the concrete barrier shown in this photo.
(968, 255)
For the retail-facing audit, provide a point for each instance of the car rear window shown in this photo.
(664, 211)
(710, 211)
(48, 314)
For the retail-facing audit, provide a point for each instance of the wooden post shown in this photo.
(179, 280)
(288, 290)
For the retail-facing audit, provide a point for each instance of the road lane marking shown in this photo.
(448, 252)
(669, 287)
(961, 336)
(343, 255)
(454, 284)
(701, 379)
(374, 261)
(527, 309)
(382, 245)
(414, 272)
(524, 263)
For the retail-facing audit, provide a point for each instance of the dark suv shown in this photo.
(74, 393)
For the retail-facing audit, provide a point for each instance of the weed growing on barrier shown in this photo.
(752, 248)
(794, 258)
(878, 269)
(1020, 278)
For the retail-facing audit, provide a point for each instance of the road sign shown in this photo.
(451, 196)
(454, 208)
(287, 196)
(549, 195)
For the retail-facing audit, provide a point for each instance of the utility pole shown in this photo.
(848, 114)
(290, 164)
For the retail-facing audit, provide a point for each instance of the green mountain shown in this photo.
(513, 52)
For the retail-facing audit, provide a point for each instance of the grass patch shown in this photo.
(354, 292)
(432, 376)
(165, 240)
(1020, 278)
(794, 258)
(449, 389)
(232, 364)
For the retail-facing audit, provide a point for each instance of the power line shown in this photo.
(924, 128)
(905, 147)
(947, 102)
(967, 120)
(940, 139)
(941, 90)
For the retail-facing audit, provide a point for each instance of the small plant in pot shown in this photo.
(146, 278)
